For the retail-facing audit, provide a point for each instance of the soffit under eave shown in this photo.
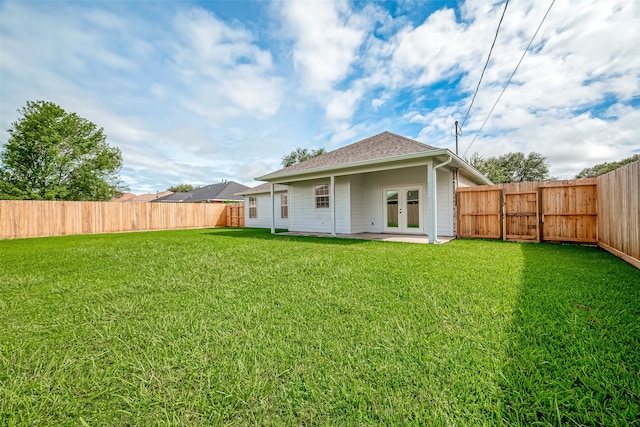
(287, 180)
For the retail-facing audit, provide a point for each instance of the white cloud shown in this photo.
(327, 37)
(342, 104)
(225, 72)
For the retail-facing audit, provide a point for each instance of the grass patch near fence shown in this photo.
(237, 327)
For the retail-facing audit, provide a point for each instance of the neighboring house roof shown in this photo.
(223, 191)
(263, 188)
(178, 196)
(377, 150)
(143, 198)
(124, 198)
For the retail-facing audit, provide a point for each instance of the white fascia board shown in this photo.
(459, 162)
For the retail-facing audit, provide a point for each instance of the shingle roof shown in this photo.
(178, 196)
(125, 197)
(221, 192)
(381, 146)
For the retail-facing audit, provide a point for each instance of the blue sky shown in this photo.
(197, 92)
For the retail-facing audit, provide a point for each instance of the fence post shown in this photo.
(539, 215)
(503, 215)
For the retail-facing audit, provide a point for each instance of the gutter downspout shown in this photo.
(434, 208)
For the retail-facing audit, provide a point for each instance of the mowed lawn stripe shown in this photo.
(237, 327)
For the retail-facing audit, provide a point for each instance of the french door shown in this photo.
(403, 211)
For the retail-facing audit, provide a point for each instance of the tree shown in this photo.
(512, 167)
(606, 167)
(300, 155)
(181, 188)
(55, 155)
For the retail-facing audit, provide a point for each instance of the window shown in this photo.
(253, 207)
(284, 205)
(322, 196)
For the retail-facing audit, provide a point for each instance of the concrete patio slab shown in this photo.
(405, 238)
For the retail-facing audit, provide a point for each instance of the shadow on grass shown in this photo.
(574, 355)
(265, 234)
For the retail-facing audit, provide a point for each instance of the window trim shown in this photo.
(253, 207)
(284, 207)
(323, 198)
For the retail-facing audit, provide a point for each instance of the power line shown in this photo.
(485, 64)
(510, 77)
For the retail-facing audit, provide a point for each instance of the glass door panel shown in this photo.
(413, 208)
(392, 210)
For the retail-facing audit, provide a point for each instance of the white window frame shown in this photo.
(284, 205)
(253, 207)
(322, 195)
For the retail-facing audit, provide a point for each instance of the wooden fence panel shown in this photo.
(479, 212)
(619, 212)
(29, 218)
(533, 211)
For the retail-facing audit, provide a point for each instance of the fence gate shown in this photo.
(522, 219)
(236, 215)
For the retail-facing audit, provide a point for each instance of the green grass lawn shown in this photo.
(238, 327)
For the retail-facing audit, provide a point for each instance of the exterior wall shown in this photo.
(263, 212)
(464, 181)
(446, 202)
(357, 204)
(303, 215)
(370, 218)
(372, 201)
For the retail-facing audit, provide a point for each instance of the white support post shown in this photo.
(332, 201)
(432, 209)
(273, 210)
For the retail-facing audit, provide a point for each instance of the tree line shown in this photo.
(55, 155)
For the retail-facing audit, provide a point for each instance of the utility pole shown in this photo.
(457, 129)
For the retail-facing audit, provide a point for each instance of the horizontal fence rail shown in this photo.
(29, 218)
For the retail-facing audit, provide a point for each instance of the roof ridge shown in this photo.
(409, 139)
(351, 148)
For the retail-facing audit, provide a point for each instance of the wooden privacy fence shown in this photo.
(561, 211)
(603, 210)
(619, 212)
(29, 218)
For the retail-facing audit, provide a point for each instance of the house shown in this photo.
(223, 192)
(383, 184)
